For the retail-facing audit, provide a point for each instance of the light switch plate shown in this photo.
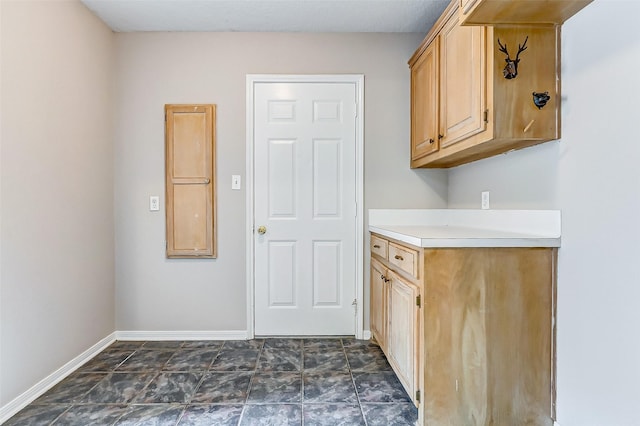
(236, 182)
(485, 200)
(154, 203)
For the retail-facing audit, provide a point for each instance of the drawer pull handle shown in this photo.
(376, 246)
(397, 256)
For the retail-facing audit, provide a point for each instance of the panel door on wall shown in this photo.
(305, 211)
(190, 180)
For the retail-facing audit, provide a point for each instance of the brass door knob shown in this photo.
(262, 230)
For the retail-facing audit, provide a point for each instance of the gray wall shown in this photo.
(593, 176)
(154, 69)
(56, 183)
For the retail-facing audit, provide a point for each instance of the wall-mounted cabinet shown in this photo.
(500, 12)
(190, 181)
(466, 105)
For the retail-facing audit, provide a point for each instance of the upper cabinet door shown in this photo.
(190, 180)
(462, 82)
(424, 103)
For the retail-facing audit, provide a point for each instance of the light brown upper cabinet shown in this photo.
(476, 111)
(190, 181)
(500, 12)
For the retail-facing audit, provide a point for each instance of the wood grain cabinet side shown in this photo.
(482, 113)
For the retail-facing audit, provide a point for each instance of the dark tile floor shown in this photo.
(256, 382)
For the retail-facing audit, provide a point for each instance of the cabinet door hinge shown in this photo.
(418, 301)
(355, 306)
(418, 395)
(486, 115)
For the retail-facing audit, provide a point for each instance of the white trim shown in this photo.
(182, 335)
(366, 335)
(358, 81)
(21, 401)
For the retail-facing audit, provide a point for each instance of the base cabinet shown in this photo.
(471, 332)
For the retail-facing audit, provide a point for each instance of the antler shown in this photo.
(521, 48)
(503, 49)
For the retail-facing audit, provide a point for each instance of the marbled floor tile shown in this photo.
(83, 415)
(236, 360)
(163, 344)
(169, 388)
(107, 360)
(37, 415)
(243, 344)
(370, 359)
(223, 388)
(332, 415)
(325, 360)
(351, 343)
(283, 343)
(272, 415)
(151, 415)
(280, 359)
(71, 389)
(381, 386)
(146, 360)
(329, 387)
(401, 414)
(125, 344)
(118, 388)
(276, 387)
(191, 359)
(208, 415)
(323, 344)
(203, 344)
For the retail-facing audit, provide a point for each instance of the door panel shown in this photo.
(305, 192)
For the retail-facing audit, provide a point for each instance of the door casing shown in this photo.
(358, 81)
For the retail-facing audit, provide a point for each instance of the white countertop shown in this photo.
(468, 228)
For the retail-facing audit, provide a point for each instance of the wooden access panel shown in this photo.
(190, 181)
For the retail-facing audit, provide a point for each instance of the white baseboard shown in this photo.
(183, 335)
(366, 335)
(9, 410)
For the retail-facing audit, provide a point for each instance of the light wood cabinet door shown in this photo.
(425, 103)
(462, 81)
(378, 308)
(190, 194)
(403, 337)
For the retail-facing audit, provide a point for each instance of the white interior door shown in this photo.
(305, 198)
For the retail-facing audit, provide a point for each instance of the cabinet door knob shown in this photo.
(376, 246)
(431, 141)
(397, 256)
(440, 136)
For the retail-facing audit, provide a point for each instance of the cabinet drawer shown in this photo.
(379, 246)
(404, 258)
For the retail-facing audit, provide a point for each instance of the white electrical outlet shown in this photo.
(235, 182)
(485, 200)
(154, 203)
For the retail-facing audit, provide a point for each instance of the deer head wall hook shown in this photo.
(511, 69)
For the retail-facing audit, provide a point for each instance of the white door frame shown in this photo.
(358, 81)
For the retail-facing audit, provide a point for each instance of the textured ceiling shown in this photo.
(269, 15)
